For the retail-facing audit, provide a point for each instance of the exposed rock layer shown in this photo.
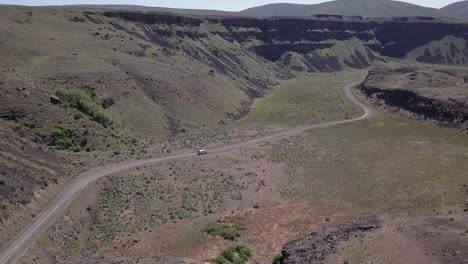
(430, 94)
(319, 245)
(271, 38)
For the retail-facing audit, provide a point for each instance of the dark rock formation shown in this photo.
(315, 247)
(429, 94)
(152, 18)
(273, 37)
(425, 107)
(54, 100)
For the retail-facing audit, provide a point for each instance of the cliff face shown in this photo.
(440, 95)
(149, 18)
(390, 37)
(400, 36)
(274, 37)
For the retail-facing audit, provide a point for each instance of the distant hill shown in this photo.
(366, 8)
(200, 12)
(459, 9)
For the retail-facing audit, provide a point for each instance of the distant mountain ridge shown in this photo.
(458, 9)
(364, 8)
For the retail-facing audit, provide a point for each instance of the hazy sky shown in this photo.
(231, 5)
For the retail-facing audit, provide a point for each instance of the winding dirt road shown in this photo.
(20, 244)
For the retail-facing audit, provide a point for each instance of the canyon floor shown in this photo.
(283, 190)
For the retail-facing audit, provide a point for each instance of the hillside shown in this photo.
(82, 88)
(199, 12)
(458, 9)
(121, 86)
(365, 8)
(114, 82)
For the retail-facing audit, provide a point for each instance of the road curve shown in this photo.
(20, 244)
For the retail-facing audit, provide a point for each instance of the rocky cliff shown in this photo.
(439, 94)
(272, 38)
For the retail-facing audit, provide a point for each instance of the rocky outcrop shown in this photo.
(151, 18)
(439, 95)
(317, 246)
(271, 38)
(399, 36)
(425, 107)
(449, 50)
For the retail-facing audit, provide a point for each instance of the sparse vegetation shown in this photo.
(65, 137)
(304, 101)
(185, 88)
(277, 259)
(156, 200)
(228, 229)
(239, 254)
(41, 239)
(86, 102)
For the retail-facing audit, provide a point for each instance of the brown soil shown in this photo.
(437, 239)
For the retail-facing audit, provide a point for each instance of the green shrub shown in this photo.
(227, 229)
(85, 101)
(65, 137)
(239, 254)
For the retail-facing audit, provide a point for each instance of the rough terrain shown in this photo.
(102, 92)
(316, 247)
(124, 65)
(17, 247)
(428, 93)
(434, 239)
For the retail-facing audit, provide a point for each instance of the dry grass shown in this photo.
(284, 189)
(307, 99)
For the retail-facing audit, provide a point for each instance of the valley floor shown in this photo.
(411, 175)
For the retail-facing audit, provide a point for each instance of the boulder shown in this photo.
(54, 99)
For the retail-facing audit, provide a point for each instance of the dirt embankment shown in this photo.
(439, 95)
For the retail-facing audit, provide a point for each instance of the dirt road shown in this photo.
(19, 245)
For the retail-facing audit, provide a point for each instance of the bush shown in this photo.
(65, 137)
(239, 254)
(228, 230)
(85, 101)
